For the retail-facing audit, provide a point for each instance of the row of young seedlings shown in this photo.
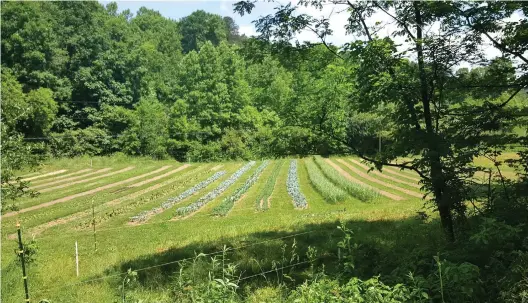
(294, 189)
(182, 211)
(143, 216)
(262, 201)
(356, 190)
(225, 206)
(328, 190)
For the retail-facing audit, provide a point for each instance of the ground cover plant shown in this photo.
(262, 201)
(182, 211)
(360, 192)
(327, 189)
(294, 189)
(227, 203)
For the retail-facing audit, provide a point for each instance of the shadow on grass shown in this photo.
(391, 249)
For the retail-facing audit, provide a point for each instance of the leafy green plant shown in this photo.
(355, 190)
(130, 277)
(356, 290)
(327, 189)
(347, 249)
(455, 282)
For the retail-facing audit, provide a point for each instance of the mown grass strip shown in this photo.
(294, 189)
(143, 216)
(262, 201)
(45, 175)
(356, 190)
(79, 172)
(226, 204)
(327, 189)
(182, 211)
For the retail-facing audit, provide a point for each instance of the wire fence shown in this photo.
(46, 290)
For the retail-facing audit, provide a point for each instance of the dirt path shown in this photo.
(395, 172)
(349, 177)
(377, 173)
(78, 215)
(45, 175)
(70, 179)
(86, 180)
(370, 178)
(82, 171)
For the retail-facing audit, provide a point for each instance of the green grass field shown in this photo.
(165, 237)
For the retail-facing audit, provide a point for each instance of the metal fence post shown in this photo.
(22, 260)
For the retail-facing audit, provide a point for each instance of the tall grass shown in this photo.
(361, 192)
(327, 189)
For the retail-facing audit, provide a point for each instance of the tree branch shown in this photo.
(402, 23)
(361, 19)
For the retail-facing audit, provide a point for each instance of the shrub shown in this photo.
(362, 193)
(356, 290)
(327, 189)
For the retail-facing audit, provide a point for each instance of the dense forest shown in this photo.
(84, 79)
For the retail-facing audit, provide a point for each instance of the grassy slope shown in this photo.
(161, 240)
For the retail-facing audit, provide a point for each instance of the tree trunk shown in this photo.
(435, 163)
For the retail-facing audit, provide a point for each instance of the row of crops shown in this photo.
(226, 204)
(330, 184)
(183, 211)
(333, 186)
(294, 189)
(143, 216)
(262, 201)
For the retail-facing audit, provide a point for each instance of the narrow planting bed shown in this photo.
(385, 184)
(379, 174)
(294, 190)
(349, 177)
(226, 204)
(145, 215)
(190, 209)
(263, 199)
(328, 190)
(356, 190)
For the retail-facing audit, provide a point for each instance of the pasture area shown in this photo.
(150, 214)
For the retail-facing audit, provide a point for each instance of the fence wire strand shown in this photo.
(41, 291)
